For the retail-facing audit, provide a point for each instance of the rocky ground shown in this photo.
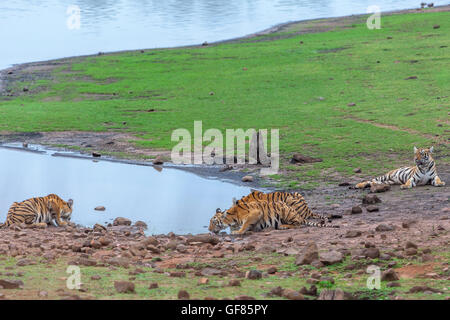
(403, 232)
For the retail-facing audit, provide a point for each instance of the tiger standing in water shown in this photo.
(422, 173)
(40, 211)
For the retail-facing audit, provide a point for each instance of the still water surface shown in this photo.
(170, 200)
(34, 30)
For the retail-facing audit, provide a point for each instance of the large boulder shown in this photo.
(309, 254)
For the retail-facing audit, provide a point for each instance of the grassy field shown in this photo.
(299, 81)
(51, 277)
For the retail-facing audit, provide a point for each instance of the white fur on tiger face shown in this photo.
(422, 173)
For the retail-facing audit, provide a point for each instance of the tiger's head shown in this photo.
(423, 157)
(61, 206)
(223, 219)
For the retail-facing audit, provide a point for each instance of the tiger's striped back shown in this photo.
(292, 199)
(40, 210)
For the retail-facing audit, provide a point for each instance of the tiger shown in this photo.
(40, 211)
(422, 173)
(293, 199)
(258, 215)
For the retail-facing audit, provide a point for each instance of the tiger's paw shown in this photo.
(361, 185)
(62, 224)
(438, 182)
(406, 186)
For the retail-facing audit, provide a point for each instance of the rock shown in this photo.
(370, 199)
(317, 264)
(124, 286)
(95, 277)
(96, 155)
(372, 208)
(417, 289)
(410, 244)
(344, 184)
(351, 104)
(204, 238)
(210, 272)
(436, 26)
(10, 284)
(203, 281)
(153, 285)
(177, 274)
(183, 295)
(309, 254)
(371, 253)
(356, 210)
(120, 221)
(384, 227)
(43, 294)
(411, 78)
(393, 285)
(389, 275)
(244, 297)
(253, 274)
(277, 291)
(352, 233)
(411, 252)
(234, 283)
(357, 170)
(311, 292)
(24, 262)
(427, 258)
(299, 158)
(100, 208)
(408, 223)
(377, 188)
(141, 224)
(99, 228)
(104, 241)
(272, 270)
(292, 295)
(337, 294)
(158, 160)
(331, 257)
(119, 262)
(247, 179)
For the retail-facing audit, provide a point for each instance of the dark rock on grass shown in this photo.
(210, 272)
(83, 261)
(25, 262)
(417, 289)
(389, 275)
(277, 291)
(331, 257)
(183, 295)
(357, 170)
(153, 285)
(272, 270)
(299, 159)
(119, 262)
(10, 284)
(244, 297)
(372, 208)
(309, 254)
(234, 283)
(353, 233)
(311, 292)
(436, 26)
(177, 274)
(377, 188)
(427, 258)
(370, 199)
(371, 253)
(253, 275)
(292, 294)
(95, 277)
(337, 294)
(351, 104)
(384, 227)
(204, 238)
(96, 155)
(393, 285)
(411, 78)
(411, 252)
(158, 160)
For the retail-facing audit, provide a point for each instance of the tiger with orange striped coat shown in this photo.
(422, 173)
(40, 211)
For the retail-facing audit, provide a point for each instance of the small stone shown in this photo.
(357, 170)
(370, 199)
(353, 234)
(203, 281)
(356, 210)
(183, 295)
(100, 208)
(247, 179)
(141, 224)
(253, 274)
(411, 252)
(158, 160)
(389, 275)
(95, 277)
(351, 104)
(10, 284)
(384, 227)
(244, 297)
(331, 257)
(153, 285)
(309, 254)
(179, 274)
(234, 283)
(393, 284)
(124, 286)
(410, 244)
(377, 188)
(436, 26)
(372, 208)
(272, 270)
(292, 295)
(120, 221)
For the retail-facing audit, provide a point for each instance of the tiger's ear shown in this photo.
(431, 149)
(218, 210)
(415, 149)
(70, 203)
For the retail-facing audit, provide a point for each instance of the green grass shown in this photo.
(280, 89)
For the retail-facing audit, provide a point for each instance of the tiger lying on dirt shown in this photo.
(258, 211)
(422, 173)
(40, 211)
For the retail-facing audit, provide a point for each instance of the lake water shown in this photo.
(34, 30)
(169, 200)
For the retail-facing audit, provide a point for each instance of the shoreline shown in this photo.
(271, 30)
